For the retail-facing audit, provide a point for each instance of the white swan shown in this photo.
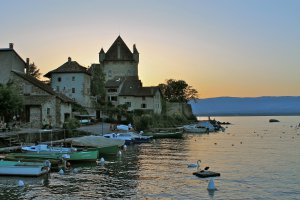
(195, 164)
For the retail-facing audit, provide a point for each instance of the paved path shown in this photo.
(97, 129)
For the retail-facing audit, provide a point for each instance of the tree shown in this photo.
(34, 71)
(97, 83)
(178, 91)
(10, 101)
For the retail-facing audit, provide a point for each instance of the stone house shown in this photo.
(74, 81)
(120, 67)
(39, 100)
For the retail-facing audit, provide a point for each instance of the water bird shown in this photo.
(216, 143)
(211, 185)
(101, 161)
(21, 183)
(195, 164)
(241, 142)
(206, 168)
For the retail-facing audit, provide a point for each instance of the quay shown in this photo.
(14, 139)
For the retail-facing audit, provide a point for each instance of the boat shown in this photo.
(137, 138)
(103, 145)
(47, 148)
(273, 120)
(117, 136)
(83, 155)
(165, 133)
(195, 128)
(17, 168)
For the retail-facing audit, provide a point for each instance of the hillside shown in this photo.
(220, 106)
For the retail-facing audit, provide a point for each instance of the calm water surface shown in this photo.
(256, 159)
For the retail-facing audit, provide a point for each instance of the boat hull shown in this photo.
(13, 168)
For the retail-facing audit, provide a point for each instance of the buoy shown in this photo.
(101, 161)
(61, 172)
(119, 153)
(21, 183)
(211, 185)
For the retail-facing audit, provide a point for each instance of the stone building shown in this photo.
(120, 68)
(40, 102)
(74, 81)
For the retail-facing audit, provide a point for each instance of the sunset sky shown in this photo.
(233, 48)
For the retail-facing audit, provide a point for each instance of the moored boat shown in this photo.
(116, 136)
(84, 155)
(165, 133)
(23, 168)
(195, 128)
(104, 145)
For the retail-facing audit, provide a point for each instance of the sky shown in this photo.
(232, 48)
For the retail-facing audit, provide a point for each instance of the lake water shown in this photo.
(256, 159)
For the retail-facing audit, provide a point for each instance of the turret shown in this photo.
(101, 55)
(135, 54)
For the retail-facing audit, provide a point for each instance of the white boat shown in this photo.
(24, 168)
(117, 136)
(46, 148)
(195, 128)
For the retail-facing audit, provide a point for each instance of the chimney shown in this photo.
(27, 66)
(11, 45)
(69, 59)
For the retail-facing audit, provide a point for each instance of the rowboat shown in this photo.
(165, 133)
(84, 155)
(103, 145)
(23, 168)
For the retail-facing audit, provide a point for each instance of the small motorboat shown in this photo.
(18, 168)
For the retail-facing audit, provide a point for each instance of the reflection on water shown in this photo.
(256, 159)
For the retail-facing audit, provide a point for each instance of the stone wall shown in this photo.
(179, 108)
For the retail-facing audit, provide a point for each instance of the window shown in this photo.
(112, 90)
(128, 104)
(113, 98)
(73, 90)
(48, 111)
(143, 98)
(144, 105)
(59, 79)
(73, 78)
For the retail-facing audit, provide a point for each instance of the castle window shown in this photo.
(143, 105)
(48, 111)
(73, 78)
(113, 98)
(59, 79)
(73, 90)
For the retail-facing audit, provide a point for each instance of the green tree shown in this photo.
(178, 91)
(10, 101)
(34, 71)
(98, 84)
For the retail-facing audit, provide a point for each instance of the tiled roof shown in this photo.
(134, 87)
(68, 67)
(42, 86)
(114, 83)
(120, 47)
(12, 50)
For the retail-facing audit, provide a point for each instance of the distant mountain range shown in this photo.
(231, 106)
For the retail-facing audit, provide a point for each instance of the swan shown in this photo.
(195, 164)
